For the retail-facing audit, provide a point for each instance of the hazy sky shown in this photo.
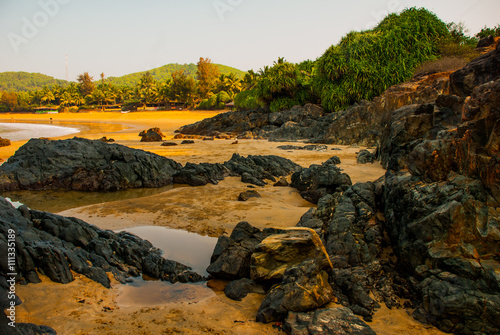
(118, 37)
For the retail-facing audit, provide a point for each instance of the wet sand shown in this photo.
(78, 307)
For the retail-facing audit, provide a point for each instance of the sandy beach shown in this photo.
(85, 307)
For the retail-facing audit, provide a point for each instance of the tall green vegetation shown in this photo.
(364, 64)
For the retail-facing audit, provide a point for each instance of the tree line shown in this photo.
(87, 92)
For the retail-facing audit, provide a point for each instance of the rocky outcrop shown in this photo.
(317, 181)
(256, 169)
(481, 70)
(55, 246)
(151, 135)
(338, 320)
(361, 124)
(84, 165)
(295, 260)
(200, 174)
(447, 234)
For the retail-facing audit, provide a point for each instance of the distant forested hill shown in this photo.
(163, 72)
(25, 81)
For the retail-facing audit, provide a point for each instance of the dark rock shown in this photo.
(282, 182)
(84, 165)
(486, 41)
(244, 196)
(168, 144)
(200, 174)
(231, 257)
(334, 160)
(304, 287)
(55, 245)
(249, 179)
(338, 320)
(254, 169)
(317, 181)
(211, 138)
(187, 142)
(480, 71)
(151, 135)
(4, 142)
(364, 157)
(238, 289)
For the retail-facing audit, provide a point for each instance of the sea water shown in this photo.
(25, 131)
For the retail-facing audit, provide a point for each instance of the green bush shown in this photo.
(281, 104)
(247, 100)
(485, 32)
(215, 102)
(364, 64)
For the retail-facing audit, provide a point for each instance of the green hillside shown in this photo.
(25, 81)
(163, 72)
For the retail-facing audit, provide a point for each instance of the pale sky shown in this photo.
(118, 37)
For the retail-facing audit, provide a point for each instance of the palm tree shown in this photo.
(47, 95)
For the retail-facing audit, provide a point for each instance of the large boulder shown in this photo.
(231, 257)
(84, 165)
(277, 253)
(339, 321)
(304, 287)
(317, 181)
(151, 135)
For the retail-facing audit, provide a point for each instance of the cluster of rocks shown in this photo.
(87, 165)
(361, 124)
(289, 266)
(425, 236)
(57, 246)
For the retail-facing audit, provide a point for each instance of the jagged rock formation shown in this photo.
(361, 124)
(84, 165)
(55, 245)
(317, 181)
(294, 260)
